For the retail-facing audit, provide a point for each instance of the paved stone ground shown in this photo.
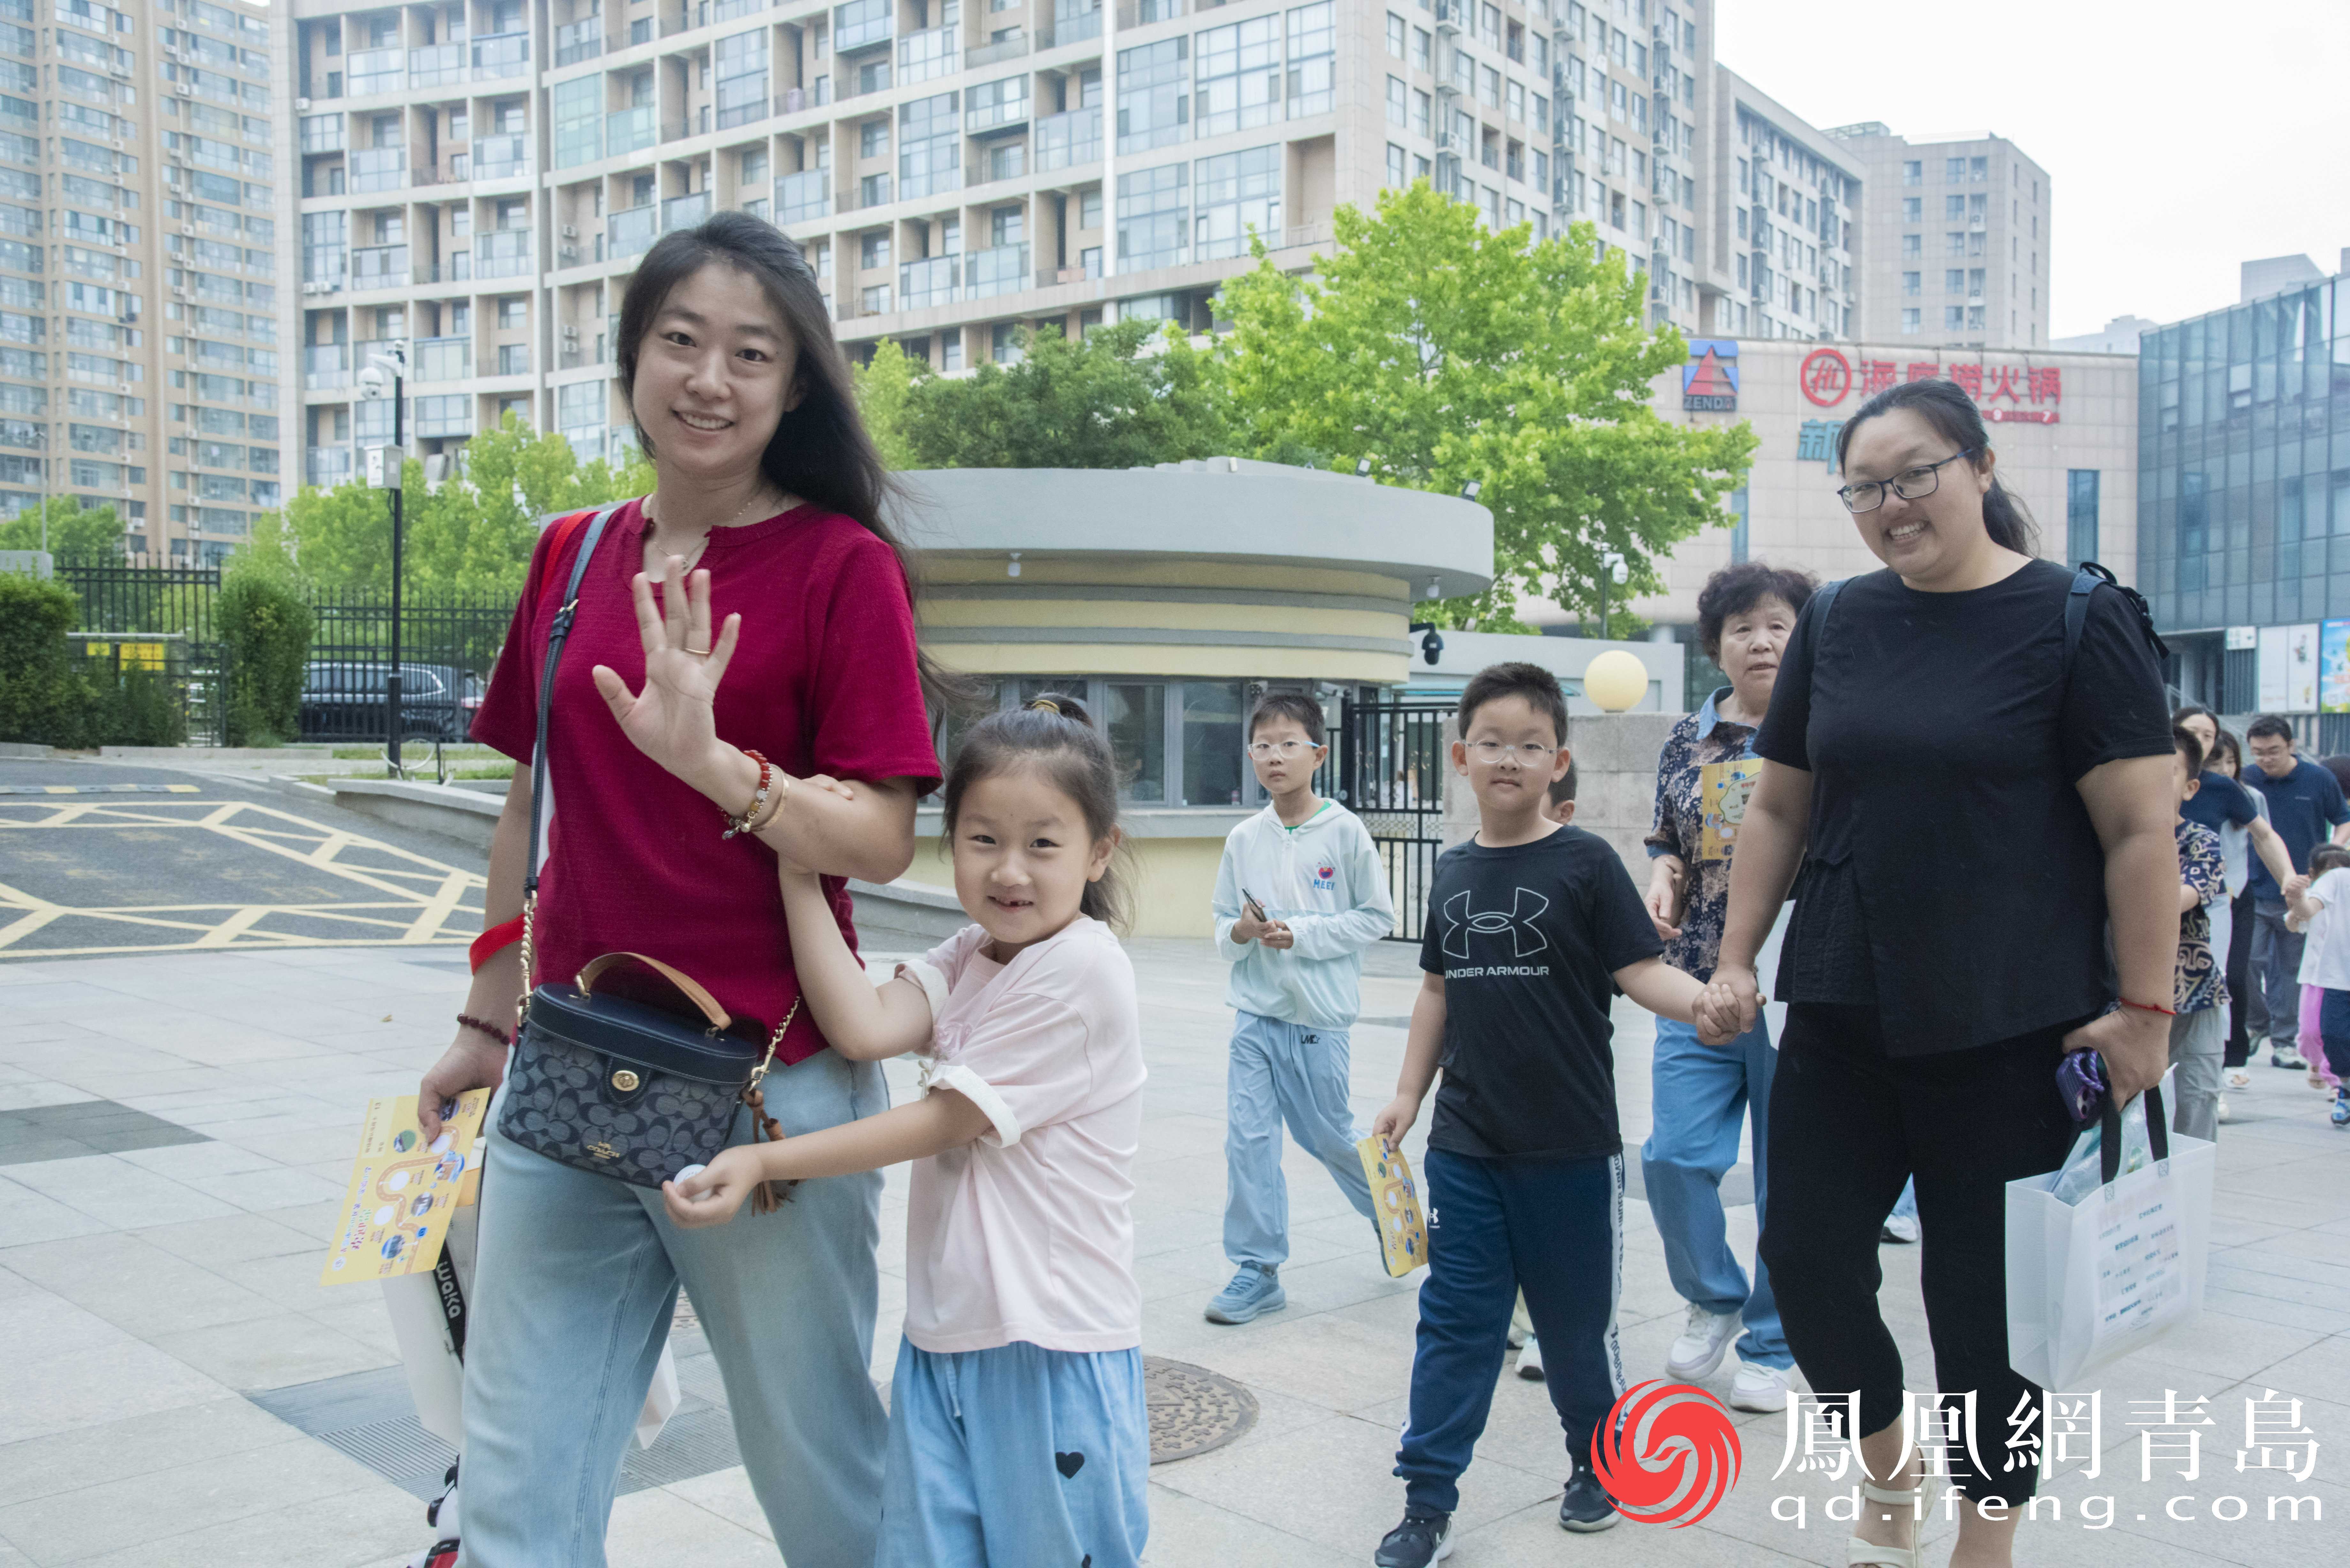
(147, 1289)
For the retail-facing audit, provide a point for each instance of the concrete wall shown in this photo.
(1615, 782)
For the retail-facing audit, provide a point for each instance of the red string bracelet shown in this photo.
(2149, 1007)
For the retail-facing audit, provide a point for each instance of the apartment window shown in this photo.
(1153, 218)
(1312, 58)
(1395, 35)
(1954, 281)
(873, 250)
(2079, 514)
(1422, 56)
(1003, 343)
(1954, 171)
(875, 300)
(1233, 194)
(1912, 284)
(514, 358)
(1913, 172)
(1397, 177)
(1007, 227)
(1955, 243)
(1975, 280)
(1239, 77)
(1954, 317)
(514, 310)
(1913, 209)
(930, 147)
(1154, 108)
(578, 110)
(1978, 170)
(873, 138)
(1954, 206)
(1399, 102)
(1516, 96)
(1421, 108)
(1974, 318)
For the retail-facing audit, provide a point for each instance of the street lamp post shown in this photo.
(385, 465)
(1612, 568)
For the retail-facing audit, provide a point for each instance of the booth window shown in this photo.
(1177, 742)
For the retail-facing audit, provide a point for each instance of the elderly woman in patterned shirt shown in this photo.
(1700, 1094)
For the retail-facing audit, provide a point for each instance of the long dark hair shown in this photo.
(820, 451)
(1055, 735)
(1941, 404)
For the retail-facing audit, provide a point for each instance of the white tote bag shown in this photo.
(2091, 1282)
(427, 1329)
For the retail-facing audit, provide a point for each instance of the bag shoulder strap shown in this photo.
(557, 635)
(2086, 582)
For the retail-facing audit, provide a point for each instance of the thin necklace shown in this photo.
(654, 522)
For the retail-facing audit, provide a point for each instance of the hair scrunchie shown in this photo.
(1048, 704)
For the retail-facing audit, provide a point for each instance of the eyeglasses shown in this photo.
(1260, 750)
(1910, 484)
(1492, 752)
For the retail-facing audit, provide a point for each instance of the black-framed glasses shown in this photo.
(1910, 484)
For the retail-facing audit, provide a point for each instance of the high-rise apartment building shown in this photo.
(138, 232)
(1784, 211)
(1957, 234)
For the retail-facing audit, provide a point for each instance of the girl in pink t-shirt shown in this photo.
(1018, 1428)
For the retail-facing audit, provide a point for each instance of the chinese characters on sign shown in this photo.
(1825, 377)
(1815, 442)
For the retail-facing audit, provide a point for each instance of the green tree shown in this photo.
(884, 389)
(73, 529)
(267, 626)
(1122, 398)
(1446, 354)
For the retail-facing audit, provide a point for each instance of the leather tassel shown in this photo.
(768, 1195)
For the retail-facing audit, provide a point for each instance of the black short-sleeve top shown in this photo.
(1951, 874)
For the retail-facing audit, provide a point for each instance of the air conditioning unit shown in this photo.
(183, 89)
(570, 232)
(303, 104)
(188, 230)
(306, 288)
(569, 255)
(570, 334)
(1447, 144)
(1448, 15)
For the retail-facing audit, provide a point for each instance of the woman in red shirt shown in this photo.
(761, 553)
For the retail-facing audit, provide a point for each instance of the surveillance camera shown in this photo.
(371, 381)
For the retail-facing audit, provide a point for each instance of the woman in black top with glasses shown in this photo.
(1966, 800)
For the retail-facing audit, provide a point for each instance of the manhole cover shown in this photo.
(1193, 1409)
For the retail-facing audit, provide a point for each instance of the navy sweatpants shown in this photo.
(1552, 1228)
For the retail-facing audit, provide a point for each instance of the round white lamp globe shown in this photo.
(1616, 680)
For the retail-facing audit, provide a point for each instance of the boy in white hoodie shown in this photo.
(1300, 894)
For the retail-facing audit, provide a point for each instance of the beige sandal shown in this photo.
(1858, 1553)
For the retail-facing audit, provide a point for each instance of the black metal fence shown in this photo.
(447, 646)
(1391, 768)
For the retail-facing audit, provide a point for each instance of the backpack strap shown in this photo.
(2086, 582)
(1825, 596)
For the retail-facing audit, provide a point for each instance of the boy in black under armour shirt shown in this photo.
(1532, 927)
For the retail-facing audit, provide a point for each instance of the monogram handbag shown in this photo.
(605, 1083)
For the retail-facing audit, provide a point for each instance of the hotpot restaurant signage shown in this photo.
(2031, 393)
(1710, 379)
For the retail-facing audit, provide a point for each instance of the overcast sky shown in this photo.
(2180, 140)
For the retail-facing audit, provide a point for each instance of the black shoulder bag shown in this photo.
(609, 1085)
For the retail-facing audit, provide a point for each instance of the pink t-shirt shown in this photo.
(1028, 1232)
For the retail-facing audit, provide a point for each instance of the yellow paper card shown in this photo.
(1723, 790)
(402, 1189)
(1395, 1201)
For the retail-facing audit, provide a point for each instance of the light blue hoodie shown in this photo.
(1322, 878)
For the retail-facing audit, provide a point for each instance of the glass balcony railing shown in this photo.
(379, 168)
(1066, 140)
(631, 232)
(861, 24)
(379, 267)
(805, 195)
(684, 212)
(442, 358)
(436, 64)
(1003, 269)
(502, 55)
(325, 366)
(322, 133)
(928, 282)
(628, 130)
(374, 72)
(504, 252)
(577, 41)
(496, 157)
(927, 55)
(325, 466)
(996, 112)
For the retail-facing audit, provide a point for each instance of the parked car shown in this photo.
(346, 700)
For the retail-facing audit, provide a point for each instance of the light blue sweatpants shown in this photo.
(1283, 1072)
(1016, 1457)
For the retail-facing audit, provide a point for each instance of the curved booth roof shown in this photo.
(1217, 567)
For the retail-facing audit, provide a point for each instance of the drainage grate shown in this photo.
(84, 1128)
(1193, 1409)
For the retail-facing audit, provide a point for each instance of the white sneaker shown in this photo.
(2239, 1079)
(2222, 1113)
(1760, 1387)
(1704, 1341)
(1901, 1228)
(1530, 1366)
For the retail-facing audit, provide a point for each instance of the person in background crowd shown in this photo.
(1977, 804)
(2198, 1026)
(2240, 816)
(2315, 903)
(2307, 807)
(1701, 1097)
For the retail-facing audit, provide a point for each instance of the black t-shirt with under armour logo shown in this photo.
(1528, 940)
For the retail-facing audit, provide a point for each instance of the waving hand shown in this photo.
(670, 721)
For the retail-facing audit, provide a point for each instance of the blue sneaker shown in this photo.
(1255, 1289)
(2342, 1106)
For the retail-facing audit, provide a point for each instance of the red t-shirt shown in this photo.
(823, 681)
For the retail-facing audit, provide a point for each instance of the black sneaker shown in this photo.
(1587, 1505)
(1424, 1536)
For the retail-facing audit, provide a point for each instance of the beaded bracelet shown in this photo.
(492, 1030)
(742, 823)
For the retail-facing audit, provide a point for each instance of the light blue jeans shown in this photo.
(1283, 1072)
(571, 1305)
(1700, 1095)
(1016, 1457)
